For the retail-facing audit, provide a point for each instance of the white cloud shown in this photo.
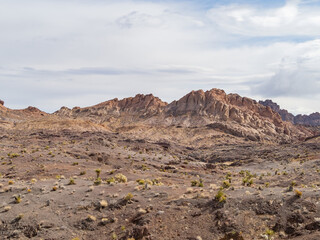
(71, 53)
(293, 19)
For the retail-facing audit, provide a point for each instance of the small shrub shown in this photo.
(141, 181)
(298, 193)
(200, 183)
(114, 236)
(194, 183)
(144, 167)
(17, 199)
(157, 182)
(19, 217)
(71, 181)
(128, 197)
(98, 181)
(110, 180)
(120, 178)
(98, 171)
(269, 234)
(197, 183)
(13, 155)
(220, 196)
(226, 184)
(83, 173)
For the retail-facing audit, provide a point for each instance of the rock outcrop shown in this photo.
(138, 106)
(217, 105)
(1, 102)
(310, 120)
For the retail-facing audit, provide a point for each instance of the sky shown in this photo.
(56, 53)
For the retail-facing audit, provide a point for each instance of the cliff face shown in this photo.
(230, 113)
(311, 120)
(217, 105)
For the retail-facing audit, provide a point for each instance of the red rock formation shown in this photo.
(235, 114)
(140, 103)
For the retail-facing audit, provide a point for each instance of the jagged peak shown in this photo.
(64, 108)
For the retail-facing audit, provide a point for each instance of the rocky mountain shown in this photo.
(214, 109)
(311, 120)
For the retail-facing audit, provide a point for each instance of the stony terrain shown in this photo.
(208, 166)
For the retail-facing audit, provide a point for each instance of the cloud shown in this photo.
(295, 18)
(71, 53)
(297, 75)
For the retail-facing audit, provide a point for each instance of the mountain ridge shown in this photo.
(240, 116)
(213, 110)
(312, 119)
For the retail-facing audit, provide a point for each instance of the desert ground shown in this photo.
(102, 185)
(222, 167)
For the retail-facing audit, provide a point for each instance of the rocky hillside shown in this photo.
(13, 116)
(311, 120)
(214, 109)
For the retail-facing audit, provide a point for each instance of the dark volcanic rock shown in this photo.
(312, 119)
(1, 102)
(285, 115)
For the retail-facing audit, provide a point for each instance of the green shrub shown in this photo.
(128, 197)
(98, 171)
(120, 178)
(110, 180)
(98, 181)
(71, 181)
(220, 196)
(226, 184)
(298, 193)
